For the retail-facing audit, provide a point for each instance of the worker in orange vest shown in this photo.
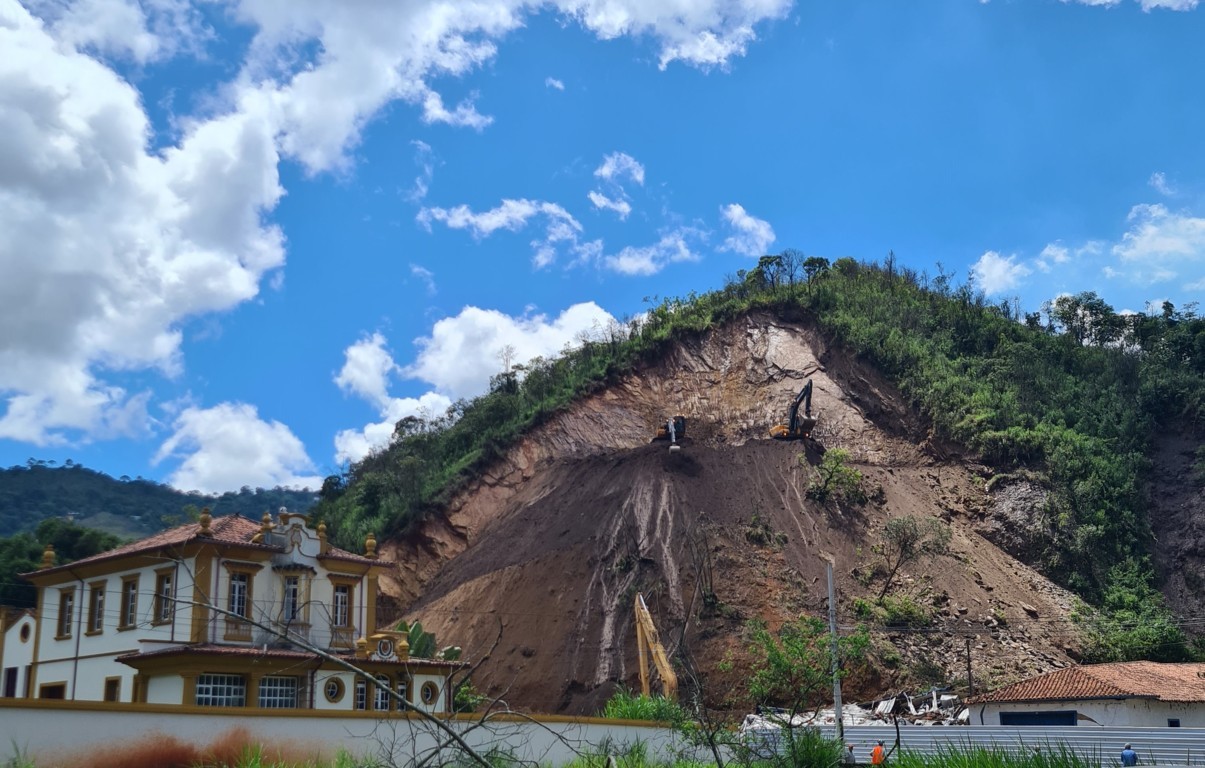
(877, 756)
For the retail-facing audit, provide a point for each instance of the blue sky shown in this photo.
(241, 238)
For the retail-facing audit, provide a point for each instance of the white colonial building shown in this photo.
(225, 612)
(1129, 694)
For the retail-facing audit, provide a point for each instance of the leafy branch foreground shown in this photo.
(1070, 396)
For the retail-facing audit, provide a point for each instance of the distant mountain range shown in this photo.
(129, 508)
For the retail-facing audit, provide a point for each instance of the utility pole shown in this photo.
(832, 627)
(970, 682)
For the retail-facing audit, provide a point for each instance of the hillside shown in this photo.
(583, 512)
(124, 507)
(1056, 448)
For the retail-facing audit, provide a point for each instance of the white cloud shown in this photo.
(602, 202)
(228, 446)
(1161, 245)
(1147, 5)
(552, 82)
(1171, 5)
(462, 352)
(379, 51)
(995, 273)
(425, 275)
(107, 247)
(367, 370)
(424, 158)
(351, 445)
(512, 215)
(125, 29)
(651, 259)
(618, 165)
(1160, 184)
(367, 366)
(752, 236)
(704, 34)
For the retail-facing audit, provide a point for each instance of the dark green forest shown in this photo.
(129, 508)
(22, 553)
(1070, 394)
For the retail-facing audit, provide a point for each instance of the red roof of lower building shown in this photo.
(1124, 680)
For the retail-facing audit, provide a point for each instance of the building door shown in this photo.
(10, 682)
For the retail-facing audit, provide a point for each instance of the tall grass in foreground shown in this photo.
(1032, 756)
(626, 705)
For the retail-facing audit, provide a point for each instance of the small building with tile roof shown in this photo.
(1126, 694)
(223, 612)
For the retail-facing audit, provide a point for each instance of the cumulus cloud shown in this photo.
(552, 82)
(367, 366)
(379, 51)
(462, 352)
(618, 165)
(751, 237)
(1147, 5)
(614, 169)
(108, 247)
(512, 215)
(604, 203)
(125, 29)
(352, 445)
(228, 446)
(995, 273)
(1162, 245)
(368, 369)
(424, 158)
(1160, 184)
(673, 247)
(426, 275)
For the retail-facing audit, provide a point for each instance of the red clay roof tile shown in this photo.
(227, 529)
(1133, 679)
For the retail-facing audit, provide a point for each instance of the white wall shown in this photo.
(45, 731)
(17, 652)
(1103, 712)
(163, 690)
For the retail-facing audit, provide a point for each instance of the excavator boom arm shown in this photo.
(805, 397)
(649, 644)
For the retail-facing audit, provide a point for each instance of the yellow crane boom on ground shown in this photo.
(648, 643)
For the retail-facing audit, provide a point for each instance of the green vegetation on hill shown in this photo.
(126, 507)
(23, 553)
(1072, 395)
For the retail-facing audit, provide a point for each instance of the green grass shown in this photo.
(626, 705)
(1024, 756)
(253, 757)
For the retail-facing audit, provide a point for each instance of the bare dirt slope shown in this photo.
(1178, 522)
(548, 549)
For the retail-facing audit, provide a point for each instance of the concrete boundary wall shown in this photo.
(52, 730)
(1155, 746)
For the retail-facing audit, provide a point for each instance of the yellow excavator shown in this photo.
(797, 427)
(649, 644)
(673, 430)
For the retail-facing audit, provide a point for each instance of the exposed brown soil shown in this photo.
(544, 554)
(1178, 522)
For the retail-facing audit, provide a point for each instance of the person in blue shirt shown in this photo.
(1128, 755)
